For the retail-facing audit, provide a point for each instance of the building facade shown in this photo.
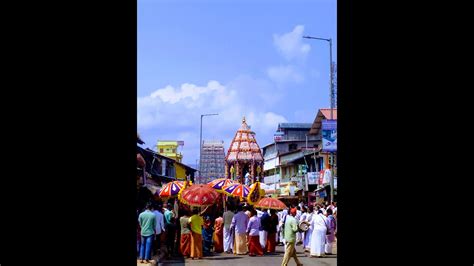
(329, 159)
(212, 160)
(169, 148)
(293, 153)
(288, 137)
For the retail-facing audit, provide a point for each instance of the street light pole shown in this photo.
(200, 146)
(332, 102)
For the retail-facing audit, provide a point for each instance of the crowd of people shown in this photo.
(241, 230)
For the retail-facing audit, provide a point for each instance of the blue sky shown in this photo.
(235, 58)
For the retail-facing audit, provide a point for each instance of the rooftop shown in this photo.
(324, 113)
(295, 125)
(139, 140)
(327, 113)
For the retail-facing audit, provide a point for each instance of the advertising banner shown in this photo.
(320, 179)
(327, 176)
(313, 178)
(329, 135)
(278, 136)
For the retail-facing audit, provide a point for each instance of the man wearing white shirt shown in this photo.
(160, 227)
(228, 234)
(299, 239)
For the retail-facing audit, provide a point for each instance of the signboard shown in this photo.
(278, 136)
(329, 135)
(323, 194)
(327, 176)
(335, 182)
(313, 178)
(320, 179)
(302, 169)
(180, 143)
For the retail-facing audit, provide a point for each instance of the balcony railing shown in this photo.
(271, 179)
(299, 138)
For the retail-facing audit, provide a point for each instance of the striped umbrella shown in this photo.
(236, 190)
(171, 189)
(219, 183)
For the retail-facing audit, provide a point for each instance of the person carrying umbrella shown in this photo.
(196, 222)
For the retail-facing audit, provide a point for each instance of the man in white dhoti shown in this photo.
(228, 234)
(304, 214)
(307, 235)
(318, 236)
(330, 238)
(281, 220)
(264, 228)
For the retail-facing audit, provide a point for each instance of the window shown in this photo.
(292, 147)
(161, 150)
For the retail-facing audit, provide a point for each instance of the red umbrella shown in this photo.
(270, 203)
(198, 195)
(171, 189)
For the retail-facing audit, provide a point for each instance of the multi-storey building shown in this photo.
(212, 160)
(169, 148)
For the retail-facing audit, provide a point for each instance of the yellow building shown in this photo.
(180, 171)
(170, 149)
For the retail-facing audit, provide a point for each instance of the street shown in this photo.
(245, 260)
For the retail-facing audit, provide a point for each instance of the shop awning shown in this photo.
(290, 158)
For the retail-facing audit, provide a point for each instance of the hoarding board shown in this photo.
(313, 178)
(329, 135)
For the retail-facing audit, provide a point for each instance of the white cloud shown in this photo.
(291, 45)
(284, 74)
(174, 112)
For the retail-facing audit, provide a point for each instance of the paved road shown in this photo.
(245, 260)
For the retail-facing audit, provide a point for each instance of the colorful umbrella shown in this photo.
(219, 183)
(236, 190)
(198, 195)
(255, 193)
(262, 188)
(270, 203)
(171, 189)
